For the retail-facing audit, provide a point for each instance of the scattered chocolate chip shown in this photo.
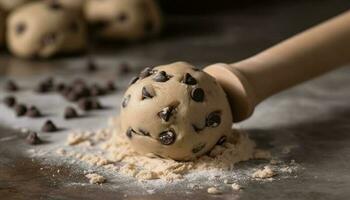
(33, 112)
(126, 101)
(110, 87)
(129, 133)
(96, 90)
(189, 80)
(20, 28)
(167, 137)
(145, 72)
(48, 39)
(143, 132)
(147, 93)
(54, 5)
(197, 129)
(133, 80)
(95, 104)
(161, 76)
(49, 126)
(149, 26)
(81, 90)
(60, 87)
(33, 139)
(213, 119)
(78, 81)
(124, 68)
(166, 113)
(11, 86)
(222, 140)
(85, 104)
(72, 96)
(122, 17)
(198, 148)
(42, 87)
(20, 110)
(197, 94)
(10, 101)
(91, 66)
(70, 113)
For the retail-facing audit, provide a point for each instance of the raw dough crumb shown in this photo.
(235, 186)
(213, 190)
(265, 173)
(95, 178)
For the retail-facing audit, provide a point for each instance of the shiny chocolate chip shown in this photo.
(198, 148)
(222, 140)
(129, 133)
(10, 101)
(144, 132)
(189, 80)
(49, 126)
(197, 94)
(145, 72)
(20, 110)
(147, 93)
(166, 113)
(33, 112)
(161, 76)
(213, 119)
(133, 80)
(33, 139)
(126, 101)
(167, 137)
(11, 86)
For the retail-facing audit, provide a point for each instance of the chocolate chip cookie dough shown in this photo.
(43, 29)
(2, 28)
(9, 5)
(175, 111)
(124, 19)
(74, 5)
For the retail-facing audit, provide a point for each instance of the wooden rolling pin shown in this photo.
(300, 58)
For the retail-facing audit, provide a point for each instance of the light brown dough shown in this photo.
(159, 103)
(9, 5)
(2, 28)
(74, 5)
(43, 29)
(124, 19)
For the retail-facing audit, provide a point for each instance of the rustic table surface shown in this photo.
(313, 117)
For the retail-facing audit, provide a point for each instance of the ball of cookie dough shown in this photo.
(124, 19)
(2, 28)
(175, 111)
(43, 29)
(74, 5)
(9, 5)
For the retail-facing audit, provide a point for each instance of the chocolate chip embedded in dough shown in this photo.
(33, 112)
(11, 86)
(133, 80)
(213, 119)
(167, 137)
(48, 39)
(129, 133)
(70, 113)
(145, 72)
(166, 113)
(197, 129)
(20, 110)
(147, 92)
(122, 17)
(33, 139)
(10, 101)
(126, 100)
(161, 76)
(85, 104)
(49, 126)
(110, 86)
(222, 140)
(144, 132)
(197, 94)
(189, 80)
(198, 148)
(20, 28)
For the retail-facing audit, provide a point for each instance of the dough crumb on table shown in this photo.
(265, 173)
(235, 186)
(214, 190)
(95, 178)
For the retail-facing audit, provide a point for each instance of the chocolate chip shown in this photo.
(197, 129)
(49, 126)
(78, 81)
(122, 17)
(11, 86)
(126, 101)
(10, 101)
(70, 113)
(85, 104)
(166, 113)
(110, 87)
(161, 76)
(55, 5)
(48, 39)
(197, 94)
(96, 90)
(60, 87)
(81, 90)
(133, 80)
(213, 119)
(124, 68)
(20, 28)
(143, 132)
(42, 88)
(33, 139)
(222, 140)
(147, 93)
(95, 104)
(73, 96)
(198, 148)
(129, 133)
(20, 110)
(167, 137)
(33, 112)
(146, 72)
(91, 66)
(189, 80)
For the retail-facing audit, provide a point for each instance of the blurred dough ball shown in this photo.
(44, 29)
(2, 28)
(9, 5)
(124, 19)
(74, 5)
